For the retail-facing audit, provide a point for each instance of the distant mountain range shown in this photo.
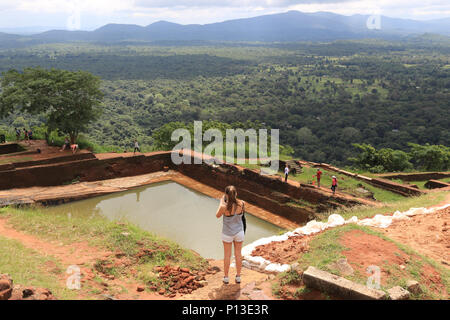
(27, 30)
(283, 27)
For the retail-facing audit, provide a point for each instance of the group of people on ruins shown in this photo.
(318, 176)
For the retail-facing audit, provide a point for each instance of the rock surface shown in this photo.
(6, 286)
(8, 291)
(398, 293)
(181, 280)
(342, 266)
(413, 287)
(338, 286)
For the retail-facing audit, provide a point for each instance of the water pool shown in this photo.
(170, 210)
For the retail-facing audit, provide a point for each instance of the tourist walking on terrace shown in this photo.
(318, 175)
(74, 148)
(25, 134)
(136, 147)
(233, 230)
(17, 134)
(334, 184)
(66, 144)
(286, 172)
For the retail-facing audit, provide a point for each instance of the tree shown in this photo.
(430, 157)
(381, 160)
(70, 100)
(305, 136)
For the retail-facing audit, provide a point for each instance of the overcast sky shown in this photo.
(91, 14)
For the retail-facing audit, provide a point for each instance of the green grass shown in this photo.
(98, 231)
(15, 160)
(420, 184)
(404, 204)
(326, 249)
(346, 184)
(25, 266)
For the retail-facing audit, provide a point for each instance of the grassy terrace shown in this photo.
(97, 231)
(346, 184)
(420, 184)
(389, 207)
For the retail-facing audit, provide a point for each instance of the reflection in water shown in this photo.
(170, 210)
(138, 195)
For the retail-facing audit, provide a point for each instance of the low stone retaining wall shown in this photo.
(417, 176)
(82, 170)
(68, 158)
(9, 148)
(269, 192)
(436, 184)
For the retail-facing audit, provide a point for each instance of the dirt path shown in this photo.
(254, 286)
(30, 154)
(429, 235)
(77, 254)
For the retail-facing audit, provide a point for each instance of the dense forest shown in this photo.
(323, 97)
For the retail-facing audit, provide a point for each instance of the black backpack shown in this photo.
(244, 221)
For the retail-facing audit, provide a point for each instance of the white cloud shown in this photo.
(55, 6)
(227, 3)
(95, 13)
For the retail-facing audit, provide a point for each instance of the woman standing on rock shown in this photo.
(232, 211)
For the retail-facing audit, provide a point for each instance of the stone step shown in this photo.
(338, 286)
(294, 166)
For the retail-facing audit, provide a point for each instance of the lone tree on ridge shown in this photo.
(70, 100)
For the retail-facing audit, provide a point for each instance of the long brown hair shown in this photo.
(231, 193)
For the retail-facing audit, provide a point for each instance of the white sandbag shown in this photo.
(247, 250)
(400, 216)
(414, 211)
(379, 221)
(335, 220)
(298, 231)
(255, 260)
(276, 267)
(313, 227)
(353, 219)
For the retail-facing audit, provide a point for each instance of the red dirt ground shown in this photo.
(283, 252)
(254, 285)
(365, 250)
(74, 254)
(46, 152)
(428, 235)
